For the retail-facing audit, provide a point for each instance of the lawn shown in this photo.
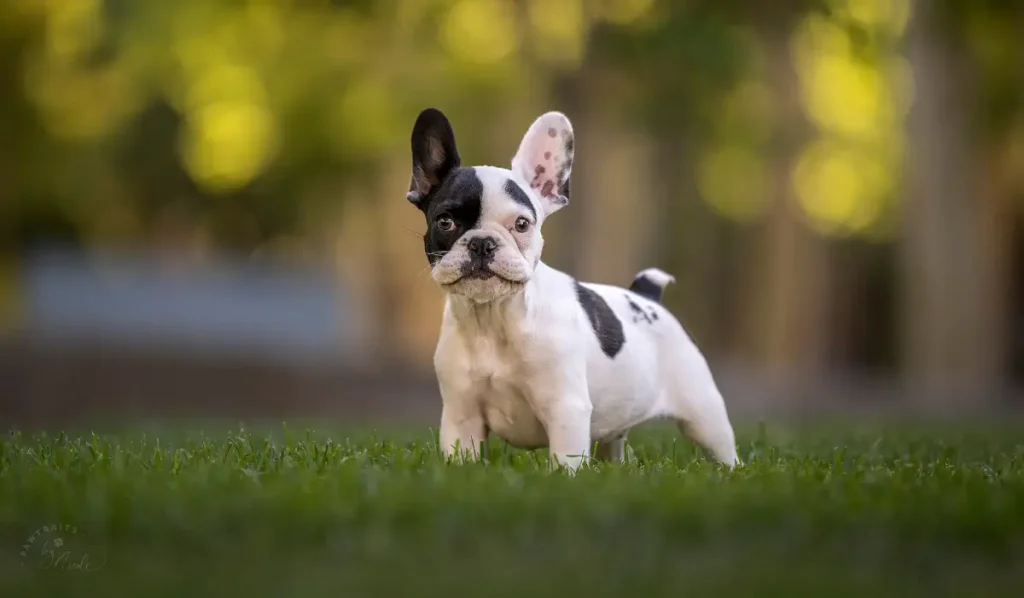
(824, 510)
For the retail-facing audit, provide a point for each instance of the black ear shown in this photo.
(434, 154)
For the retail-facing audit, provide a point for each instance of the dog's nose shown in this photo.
(483, 247)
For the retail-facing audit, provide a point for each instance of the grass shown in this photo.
(816, 511)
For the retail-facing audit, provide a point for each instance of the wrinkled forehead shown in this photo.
(504, 195)
(474, 194)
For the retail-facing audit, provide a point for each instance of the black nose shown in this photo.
(483, 247)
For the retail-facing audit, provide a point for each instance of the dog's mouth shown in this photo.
(480, 271)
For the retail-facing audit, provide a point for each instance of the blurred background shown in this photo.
(202, 201)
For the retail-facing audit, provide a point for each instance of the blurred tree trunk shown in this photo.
(685, 238)
(599, 236)
(787, 274)
(379, 254)
(995, 235)
(565, 235)
(368, 266)
(955, 251)
(611, 183)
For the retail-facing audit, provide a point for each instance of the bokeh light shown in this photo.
(846, 175)
(365, 119)
(735, 182)
(480, 32)
(256, 126)
(226, 143)
(559, 30)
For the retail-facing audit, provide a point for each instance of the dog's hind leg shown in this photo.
(612, 450)
(694, 402)
(715, 435)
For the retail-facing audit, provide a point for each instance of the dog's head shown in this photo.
(483, 238)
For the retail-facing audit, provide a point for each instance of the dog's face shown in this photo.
(483, 238)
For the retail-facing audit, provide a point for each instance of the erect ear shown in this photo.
(434, 154)
(545, 159)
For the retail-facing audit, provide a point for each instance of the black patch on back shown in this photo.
(639, 313)
(459, 197)
(516, 192)
(605, 323)
(646, 288)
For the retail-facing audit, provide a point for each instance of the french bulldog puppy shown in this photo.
(527, 352)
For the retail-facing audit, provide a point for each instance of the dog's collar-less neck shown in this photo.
(493, 315)
(500, 314)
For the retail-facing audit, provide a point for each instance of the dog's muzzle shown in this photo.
(481, 252)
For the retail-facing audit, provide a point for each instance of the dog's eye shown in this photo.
(522, 225)
(445, 223)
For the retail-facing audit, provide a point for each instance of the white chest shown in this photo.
(502, 383)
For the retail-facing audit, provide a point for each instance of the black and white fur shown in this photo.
(527, 352)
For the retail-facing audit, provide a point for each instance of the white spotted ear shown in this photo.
(544, 159)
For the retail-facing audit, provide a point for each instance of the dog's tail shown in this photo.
(650, 283)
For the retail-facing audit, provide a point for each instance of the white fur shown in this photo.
(657, 276)
(544, 145)
(518, 356)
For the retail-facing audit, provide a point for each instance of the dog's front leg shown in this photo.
(564, 408)
(568, 427)
(463, 427)
(461, 433)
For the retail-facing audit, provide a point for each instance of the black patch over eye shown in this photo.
(445, 223)
(522, 225)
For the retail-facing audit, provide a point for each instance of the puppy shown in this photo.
(526, 351)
